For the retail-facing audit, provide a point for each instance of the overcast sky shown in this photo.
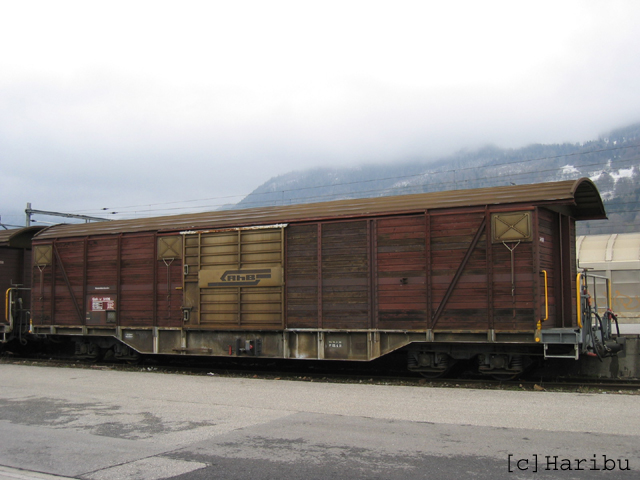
(129, 104)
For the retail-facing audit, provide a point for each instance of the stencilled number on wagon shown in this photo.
(335, 344)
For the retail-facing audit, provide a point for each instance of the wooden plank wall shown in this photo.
(123, 267)
(302, 276)
(64, 311)
(549, 246)
(335, 256)
(135, 300)
(394, 272)
(557, 257)
(345, 275)
(514, 310)
(41, 295)
(388, 273)
(451, 237)
(401, 272)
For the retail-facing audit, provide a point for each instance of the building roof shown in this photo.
(609, 251)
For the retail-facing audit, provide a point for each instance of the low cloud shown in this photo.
(205, 102)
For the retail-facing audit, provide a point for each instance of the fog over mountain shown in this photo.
(612, 161)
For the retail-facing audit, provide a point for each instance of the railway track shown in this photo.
(384, 373)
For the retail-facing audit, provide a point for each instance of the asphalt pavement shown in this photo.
(102, 424)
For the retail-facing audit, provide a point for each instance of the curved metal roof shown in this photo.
(580, 196)
(18, 237)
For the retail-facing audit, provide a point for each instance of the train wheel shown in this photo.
(430, 364)
(135, 360)
(89, 351)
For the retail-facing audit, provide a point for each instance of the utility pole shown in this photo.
(29, 211)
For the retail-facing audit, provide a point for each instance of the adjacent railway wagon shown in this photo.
(15, 281)
(617, 258)
(488, 274)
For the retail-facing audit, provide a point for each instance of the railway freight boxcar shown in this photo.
(486, 274)
(15, 281)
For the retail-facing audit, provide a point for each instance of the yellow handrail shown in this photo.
(6, 305)
(546, 296)
(579, 298)
(538, 334)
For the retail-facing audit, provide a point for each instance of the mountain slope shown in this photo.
(612, 161)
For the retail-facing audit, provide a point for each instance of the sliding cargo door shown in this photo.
(328, 275)
(234, 279)
(345, 275)
(401, 272)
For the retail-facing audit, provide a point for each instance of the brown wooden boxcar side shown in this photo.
(111, 281)
(400, 273)
(343, 280)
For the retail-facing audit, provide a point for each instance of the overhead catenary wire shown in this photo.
(398, 189)
(360, 182)
(137, 211)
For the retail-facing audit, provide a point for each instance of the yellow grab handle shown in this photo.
(538, 335)
(546, 297)
(6, 305)
(579, 299)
